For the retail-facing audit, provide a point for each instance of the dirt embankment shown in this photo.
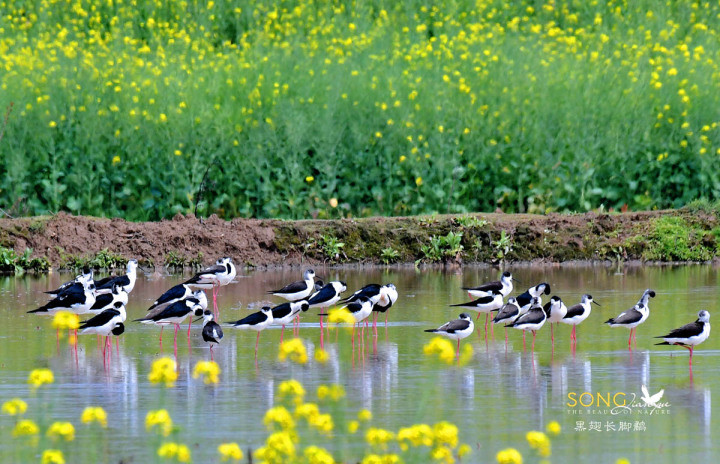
(656, 236)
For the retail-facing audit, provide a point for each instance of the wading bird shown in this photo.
(634, 316)
(456, 330)
(690, 335)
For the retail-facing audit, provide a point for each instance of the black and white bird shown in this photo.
(690, 335)
(109, 321)
(524, 299)
(109, 300)
(373, 292)
(456, 330)
(212, 333)
(360, 309)
(578, 313)
(126, 281)
(504, 286)
(174, 314)
(299, 290)
(258, 322)
(75, 299)
(328, 295)
(176, 293)
(634, 316)
(507, 314)
(221, 274)
(533, 320)
(284, 314)
(87, 275)
(556, 311)
(388, 297)
(484, 304)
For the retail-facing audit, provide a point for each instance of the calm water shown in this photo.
(495, 399)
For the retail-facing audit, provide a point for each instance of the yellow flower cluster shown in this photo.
(333, 392)
(509, 456)
(341, 316)
(292, 388)
(316, 455)
(52, 456)
(553, 428)
(381, 459)
(159, 419)
(415, 435)
(164, 370)
(209, 370)
(14, 407)
(364, 415)
(539, 442)
(278, 418)
(279, 448)
(66, 320)
(61, 430)
(94, 414)
(321, 356)
(176, 451)
(446, 434)
(25, 428)
(379, 437)
(442, 347)
(39, 377)
(294, 350)
(230, 452)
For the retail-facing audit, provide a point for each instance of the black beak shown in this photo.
(323, 314)
(596, 303)
(515, 280)
(198, 319)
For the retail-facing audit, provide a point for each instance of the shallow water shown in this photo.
(494, 399)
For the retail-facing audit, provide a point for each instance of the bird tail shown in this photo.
(462, 304)
(610, 321)
(663, 343)
(431, 330)
(41, 309)
(510, 325)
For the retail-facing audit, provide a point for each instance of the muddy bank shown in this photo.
(69, 241)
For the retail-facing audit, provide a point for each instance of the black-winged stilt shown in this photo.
(578, 313)
(125, 281)
(504, 286)
(524, 299)
(221, 274)
(107, 322)
(360, 309)
(108, 300)
(456, 329)
(388, 297)
(556, 311)
(326, 297)
(176, 293)
(258, 322)
(634, 316)
(284, 314)
(690, 335)
(211, 332)
(174, 314)
(87, 275)
(299, 290)
(507, 314)
(532, 320)
(75, 299)
(484, 304)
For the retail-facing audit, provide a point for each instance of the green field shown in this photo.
(333, 109)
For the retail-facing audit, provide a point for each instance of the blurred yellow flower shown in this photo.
(94, 414)
(323, 423)
(446, 434)
(539, 442)
(622, 461)
(333, 392)
(321, 356)
(379, 437)
(230, 452)
(14, 407)
(40, 377)
(65, 320)
(442, 454)
(176, 451)
(61, 430)
(280, 417)
(464, 450)
(415, 435)
(24, 428)
(316, 455)
(509, 456)
(309, 179)
(333, 202)
(307, 411)
(381, 459)
(418, 181)
(163, 370)
(353, 426)
(364, 415)
(294, 350)
(553, 428)
(159, 419)
(442, 347)
(292, 388)
(52, 124)
(52, 456)
(209, 370)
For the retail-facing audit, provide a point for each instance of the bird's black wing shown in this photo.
(482, 300)
(628, 317)
(530, 317)
(205, 273)
(574, 310)
(174, 293)
(102, 300)
(121, 281)
(454, 326)
(488, 287)
(325, 294)
(523, 299)
(253, 319)
(367, 291)
(281, 310)
(100, 319)
(686, 331)
(294, 287)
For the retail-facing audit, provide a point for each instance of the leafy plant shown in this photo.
(389, 255)
(331, 246)
(469, 222)
(449, 246)
(503, 245)
(175, 260)
(10, 262)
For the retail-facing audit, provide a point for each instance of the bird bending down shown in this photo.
(456, 329)
(258, 322)
(532, 320)
(212, 333)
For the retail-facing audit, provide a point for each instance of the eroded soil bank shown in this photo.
(65, 240)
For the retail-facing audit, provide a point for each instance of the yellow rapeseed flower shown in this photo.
(418, 181)
(209, 370)
(416, 435)
(14, 407)
(333, 392)
(278, 416)
(316, 455)
(442, 347)
(341, 316)
(464, 450)
(40, 377)
(364, 415)
(553, 428)
(160, 419)
(230, 452)
(539, 442)
(323, 423)
(309, 179)
(294, 350)
(65, 320)
(509, 456)
(333, 202)
(61, 430)
(381, 459)
(176, 451)
(442, 454)
(379, 437)
(163, 370)
(622, 461)
(292, 388)
(446, 434)
(52, 456)
(321, 356)
(25, 428)
(94, 414)
(353, 426)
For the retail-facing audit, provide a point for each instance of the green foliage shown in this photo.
(503, 245)
(387, 108)
(102, 260)
(10, 262)
(389, 255)
(331, 246)
(440, 248)
(469, 222)
(672, 238)
(175, 260)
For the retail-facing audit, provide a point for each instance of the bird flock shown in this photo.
(105, 300)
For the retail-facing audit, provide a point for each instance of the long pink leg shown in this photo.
(524, 346)
(552, 335)
(282, 331)
(533, 343)
(458, 349)
(257, 341)
(630, 340)
(117, 346)
(506, 340)
(177, 326)
(211, 353)
(386, 318)
(322, 334)
(352, 337)
(189, 325)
